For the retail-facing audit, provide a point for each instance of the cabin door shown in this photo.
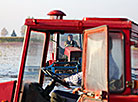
(95, 65)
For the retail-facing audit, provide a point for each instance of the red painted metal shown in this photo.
(21, 72)
(7, 91)
(41, 75)
(56, 13)
(74, 24)
(123, 98)
(105, 19)
(69, 50)
(127, 61)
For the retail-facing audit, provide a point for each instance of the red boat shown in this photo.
(93, 36)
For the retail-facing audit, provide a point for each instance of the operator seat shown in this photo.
(33, 92)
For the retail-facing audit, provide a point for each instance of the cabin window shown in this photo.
(34, 55)
(134, 62)
(116, 61)
(134, 67)
(52, 48)
(63, 43)
(134, 57)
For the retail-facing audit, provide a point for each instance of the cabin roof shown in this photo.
(80, 25)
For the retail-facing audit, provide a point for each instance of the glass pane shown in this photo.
(96, 67)
(134, 62)
(34, 55)
(66, 37)
(116, 61)
(134, 68)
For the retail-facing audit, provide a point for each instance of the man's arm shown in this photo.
(65, 44)
(74, 79)
(75, 44)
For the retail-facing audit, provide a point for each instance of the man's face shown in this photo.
(70, 38)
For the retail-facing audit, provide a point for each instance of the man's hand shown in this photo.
(65, 44)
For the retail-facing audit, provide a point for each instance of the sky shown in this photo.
(14, 12)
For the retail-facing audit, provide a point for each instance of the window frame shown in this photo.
(39, 32)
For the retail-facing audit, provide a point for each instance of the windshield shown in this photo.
(34, 55)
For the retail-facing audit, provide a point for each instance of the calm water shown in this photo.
(10, 54)
(10, 58)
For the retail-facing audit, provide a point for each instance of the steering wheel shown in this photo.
(56, 78)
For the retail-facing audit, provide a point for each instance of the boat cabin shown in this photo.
(106, 53)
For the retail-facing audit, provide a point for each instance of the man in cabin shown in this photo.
(113, 68)
(70, 42)
(61, 96)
